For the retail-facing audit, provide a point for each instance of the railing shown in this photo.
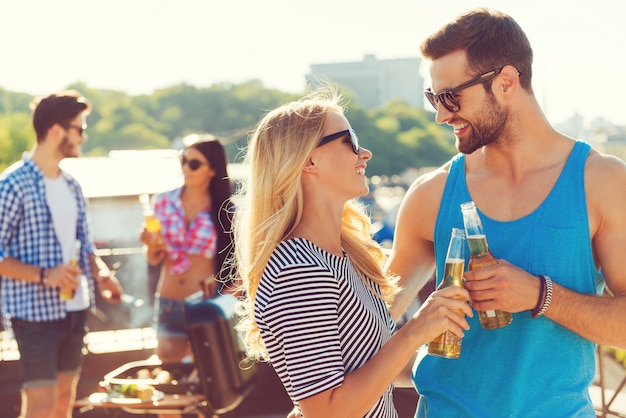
(610, 400)
(97, 342)
(8, 347)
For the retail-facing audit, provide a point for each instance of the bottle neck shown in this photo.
(477, 244)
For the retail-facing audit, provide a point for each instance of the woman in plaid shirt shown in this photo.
(193, 242)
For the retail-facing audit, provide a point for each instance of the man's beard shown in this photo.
(489, 126)
(67, 149)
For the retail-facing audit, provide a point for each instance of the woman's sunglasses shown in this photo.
(354, 140)
(192, 163)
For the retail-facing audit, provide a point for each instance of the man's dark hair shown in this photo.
(490, 39)
(56, 108)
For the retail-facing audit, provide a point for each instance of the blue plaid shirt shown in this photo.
(27, 234)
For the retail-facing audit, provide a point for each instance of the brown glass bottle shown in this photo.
(448, 344)
(480, 256)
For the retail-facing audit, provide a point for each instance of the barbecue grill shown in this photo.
(216, 382)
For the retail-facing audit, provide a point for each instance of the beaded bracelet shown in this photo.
(542, 289)
(43, 276)
(548, 291)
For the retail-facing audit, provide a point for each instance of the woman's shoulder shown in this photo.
(169, 194)
(298, 254)
(292, 251)
(167, 198)
(293, 264)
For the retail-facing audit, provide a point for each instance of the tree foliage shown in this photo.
(400, 136)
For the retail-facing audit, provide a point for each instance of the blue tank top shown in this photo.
(533, 367)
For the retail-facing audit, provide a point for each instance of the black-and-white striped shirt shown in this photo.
(319, 321)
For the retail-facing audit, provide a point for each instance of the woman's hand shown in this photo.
(209, 287)
(155, 246)
(444, 310)
(152, 239)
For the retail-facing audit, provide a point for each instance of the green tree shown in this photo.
(16, 136)
(403, 137)
(399, 135)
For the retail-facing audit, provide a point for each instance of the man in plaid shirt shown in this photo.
(43, 229)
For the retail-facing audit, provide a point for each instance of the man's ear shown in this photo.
(56, 131)
(509, 77)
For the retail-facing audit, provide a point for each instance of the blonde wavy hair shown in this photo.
(270, 204)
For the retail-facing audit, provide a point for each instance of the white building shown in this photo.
(374, 82)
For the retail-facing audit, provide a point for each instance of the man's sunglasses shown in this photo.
(447, 97)
(192, 163)
(354, 140)
(78, 128)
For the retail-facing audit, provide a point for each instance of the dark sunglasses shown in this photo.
(80, 129)
(354, 140)
(447, 97)
(192, 163)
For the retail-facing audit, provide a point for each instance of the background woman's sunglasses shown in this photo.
(353, 139)
(192, 163)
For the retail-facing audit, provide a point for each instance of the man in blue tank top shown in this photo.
(553, 212)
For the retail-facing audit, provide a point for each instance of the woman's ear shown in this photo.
(310, 167)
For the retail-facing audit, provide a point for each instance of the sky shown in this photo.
(138, 46)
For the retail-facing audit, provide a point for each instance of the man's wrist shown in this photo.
(43, 276)
(545, 297)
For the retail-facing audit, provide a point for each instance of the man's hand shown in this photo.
(110, 288)
(64, 276)
(503, 287)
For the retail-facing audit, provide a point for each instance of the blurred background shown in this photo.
(158, 70)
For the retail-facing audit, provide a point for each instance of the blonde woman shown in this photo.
(316, 298)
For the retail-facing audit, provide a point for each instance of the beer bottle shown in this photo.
(448, 344)
(68, 293)
(152, 223)
(480, 256)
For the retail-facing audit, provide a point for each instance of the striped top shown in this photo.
(319, 321)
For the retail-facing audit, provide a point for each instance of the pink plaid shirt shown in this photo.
(200, 238)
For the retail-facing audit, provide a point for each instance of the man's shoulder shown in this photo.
(601, 167)
(15, 173)
(71, 179)
(420, 204)
(431, 181)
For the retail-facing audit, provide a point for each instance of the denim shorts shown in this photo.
(50, 347)
(170, 318)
